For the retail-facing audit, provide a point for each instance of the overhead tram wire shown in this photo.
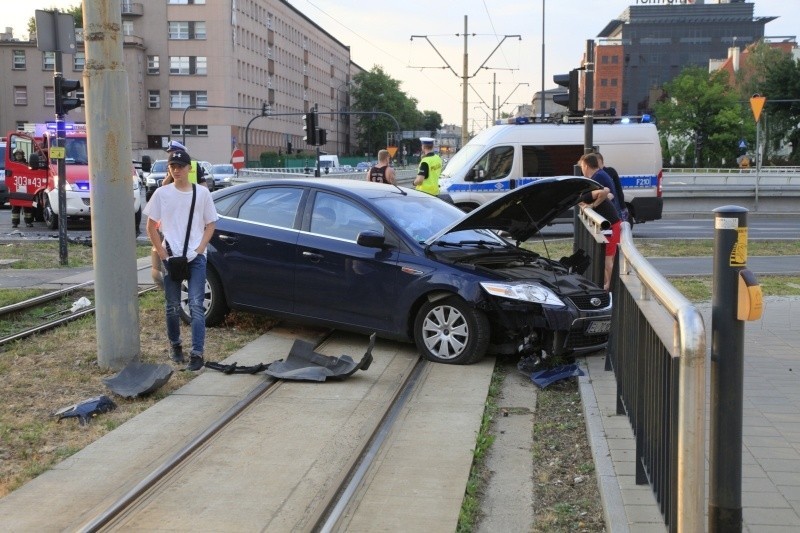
(376, 47)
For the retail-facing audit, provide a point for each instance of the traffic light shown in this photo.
(288, 147)
(64, 102)
(311, 128)
(570, 98)
(322, 137)
(264, 109)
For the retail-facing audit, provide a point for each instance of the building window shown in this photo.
(613, 82)
(199, 30)
(603, 104)
(127, 27)
(178, 30)
(614, 60)
(154, 99)
(184, 99)
(49, 97)
(182, 30)
(19, 60)
(603, 82)
(186, 65)
(78, 61)
(152, 65)
(186, 2)
(179, 65)
(604, 60)
(48, 60)
(200, 130)
(20, 95)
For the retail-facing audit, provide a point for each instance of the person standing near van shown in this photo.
(602, 201)
(430, 166)
(382, 172)
(617, 190)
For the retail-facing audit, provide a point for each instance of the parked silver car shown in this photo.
(224, 173)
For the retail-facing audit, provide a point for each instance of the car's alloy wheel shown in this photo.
(214, 306)
(451, 331)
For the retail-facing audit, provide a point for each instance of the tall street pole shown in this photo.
(464, 86)
(543, 95)
(109, 140)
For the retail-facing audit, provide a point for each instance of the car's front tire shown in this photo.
(450, 331)
(49, 216)
(214, 305)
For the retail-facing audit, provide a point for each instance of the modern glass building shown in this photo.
(651, 42)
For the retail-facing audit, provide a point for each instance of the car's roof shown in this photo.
(362, 188)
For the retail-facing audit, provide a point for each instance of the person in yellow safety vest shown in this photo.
(430, 166)
(196, 173)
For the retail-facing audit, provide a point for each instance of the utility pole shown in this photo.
(109, 138)
(465, 74)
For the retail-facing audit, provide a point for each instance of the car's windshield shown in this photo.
(424, 217)
(159, 166)
(223, 169)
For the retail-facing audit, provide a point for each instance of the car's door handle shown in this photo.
(313, 256)
(227, 239)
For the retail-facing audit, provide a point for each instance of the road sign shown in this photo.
(237, 159)
(757, 104)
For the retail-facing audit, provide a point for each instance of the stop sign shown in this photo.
(237, 159)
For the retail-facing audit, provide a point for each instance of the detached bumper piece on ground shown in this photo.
(304, 364)
(87, 409)
(138, 379)
(531, 367)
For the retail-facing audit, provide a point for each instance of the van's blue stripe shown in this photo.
(628, 182)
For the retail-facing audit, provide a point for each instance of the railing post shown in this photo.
(727, 372)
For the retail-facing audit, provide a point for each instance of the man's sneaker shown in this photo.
(176, 354)
(195, 363)
(29, 224)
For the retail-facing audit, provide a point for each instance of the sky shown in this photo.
(506, 70)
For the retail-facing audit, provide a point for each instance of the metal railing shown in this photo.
(657, 350)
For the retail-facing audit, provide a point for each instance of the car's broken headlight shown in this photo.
(527, 292)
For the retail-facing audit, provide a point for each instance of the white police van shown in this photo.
(507, 156)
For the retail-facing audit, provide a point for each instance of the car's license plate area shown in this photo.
(598, 327)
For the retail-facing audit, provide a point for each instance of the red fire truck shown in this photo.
(34, 182)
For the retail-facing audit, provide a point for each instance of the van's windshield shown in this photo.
(462, 157)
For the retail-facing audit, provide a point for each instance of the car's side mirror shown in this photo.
(371, 239)
(147, 163)
(480, 175)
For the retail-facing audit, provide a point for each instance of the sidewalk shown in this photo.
(771, 430)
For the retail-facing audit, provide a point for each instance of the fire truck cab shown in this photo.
(33, 182)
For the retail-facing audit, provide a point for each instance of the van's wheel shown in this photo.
(450, 331)
(49, 217)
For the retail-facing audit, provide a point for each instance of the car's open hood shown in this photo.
(523, 211)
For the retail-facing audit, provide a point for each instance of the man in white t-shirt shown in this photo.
(168, 211)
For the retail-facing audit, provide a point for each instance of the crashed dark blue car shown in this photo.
(370, 257)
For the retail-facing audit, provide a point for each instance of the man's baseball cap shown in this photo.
(179, 157)
(426, 140)
(175, 145)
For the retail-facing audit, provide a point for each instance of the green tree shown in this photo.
(432, 121)
(377, 91)
(782, 82)
(701, 118)
(75, 11)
